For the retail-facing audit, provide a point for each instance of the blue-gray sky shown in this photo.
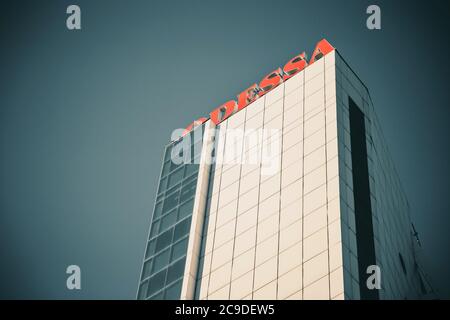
(84, 116)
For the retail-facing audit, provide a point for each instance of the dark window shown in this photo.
(189, 179)
(186, 209)
(171, 201)
(402, 263)
(182, 229)
(188, 191)
(273, 75)
(175, 189)
(174, 291)
(179, 249)
(168, 220)
(161, 261)
(190, 169)
(156, 282)
(296, 60)
(175, 271)
(175, 177)
(164, 240)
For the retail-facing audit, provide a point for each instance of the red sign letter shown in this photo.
(247, 96)
(294, 66)
(223, 112)
(322, 48)
(272, 80)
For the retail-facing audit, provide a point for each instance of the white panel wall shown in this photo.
(274, 227)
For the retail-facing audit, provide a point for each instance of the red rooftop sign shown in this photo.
(269, 82)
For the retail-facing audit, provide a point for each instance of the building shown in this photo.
(292, 196)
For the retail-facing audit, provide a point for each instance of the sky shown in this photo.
(84, 116)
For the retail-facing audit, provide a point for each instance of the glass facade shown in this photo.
(164, 262)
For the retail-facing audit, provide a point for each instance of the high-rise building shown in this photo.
(290, 195)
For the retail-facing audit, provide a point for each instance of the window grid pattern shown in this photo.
(166, 249)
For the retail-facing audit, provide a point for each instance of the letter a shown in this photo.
(74, 280)
(73, 21)
(374, 281)
(374, 20)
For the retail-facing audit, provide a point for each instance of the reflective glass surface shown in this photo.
(166, 249)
